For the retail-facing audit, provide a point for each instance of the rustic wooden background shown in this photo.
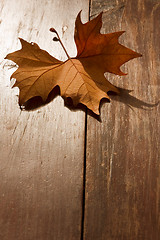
(65, 174)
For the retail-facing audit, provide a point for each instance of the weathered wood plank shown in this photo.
(41, 151)
(123, 150)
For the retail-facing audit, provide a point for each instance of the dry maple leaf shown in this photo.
(80, 78)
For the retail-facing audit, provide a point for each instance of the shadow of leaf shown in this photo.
(37, 102)
(123, 97)
(131, 101)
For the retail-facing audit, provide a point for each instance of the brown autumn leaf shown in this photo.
(80, 78)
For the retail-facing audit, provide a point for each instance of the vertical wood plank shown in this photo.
(123, 149)
(41, 151)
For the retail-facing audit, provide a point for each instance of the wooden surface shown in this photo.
(42, 151)
(123, 149)
(65, 178)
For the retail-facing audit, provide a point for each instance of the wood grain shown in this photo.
(123, 148)
(41, 151)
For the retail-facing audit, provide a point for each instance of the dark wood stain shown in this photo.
(122, 165)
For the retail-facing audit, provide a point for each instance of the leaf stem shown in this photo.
(53, 30)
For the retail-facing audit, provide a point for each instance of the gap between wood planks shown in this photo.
(84, 178)
(84, 162)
